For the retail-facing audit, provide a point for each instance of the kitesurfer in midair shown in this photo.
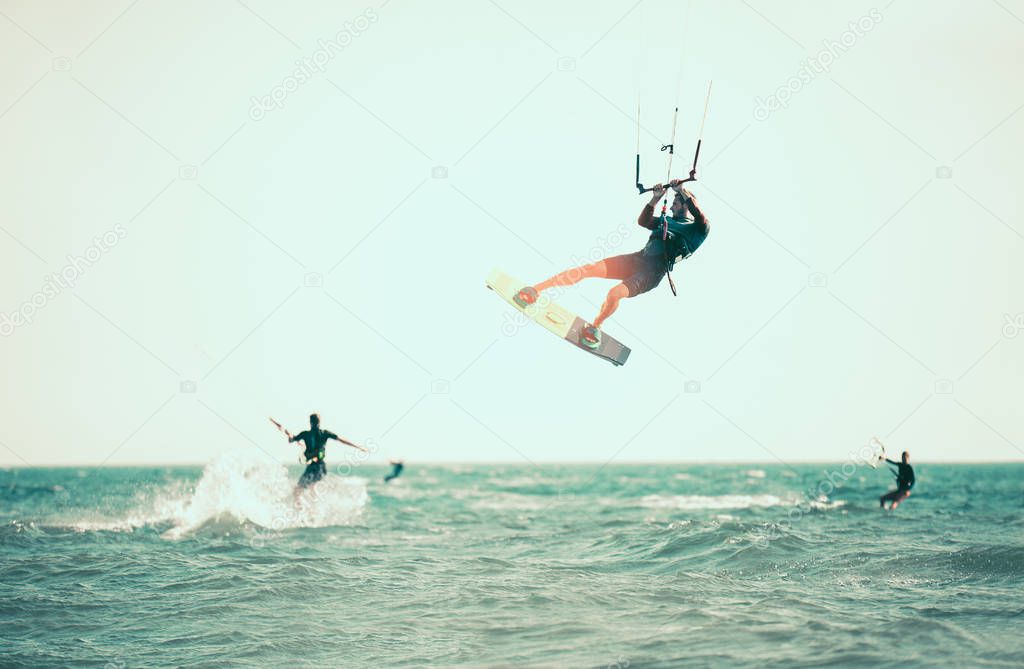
(904, 474)
(672, 238)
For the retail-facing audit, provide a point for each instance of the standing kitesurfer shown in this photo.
(673, 238)
(904, 474)
(315, 440)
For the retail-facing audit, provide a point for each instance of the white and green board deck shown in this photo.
(556, 319)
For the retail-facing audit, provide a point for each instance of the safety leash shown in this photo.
(664, 247)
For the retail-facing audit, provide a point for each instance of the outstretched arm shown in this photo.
(347, 442)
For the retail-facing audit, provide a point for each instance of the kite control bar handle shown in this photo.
(641, 189)
(693, 171)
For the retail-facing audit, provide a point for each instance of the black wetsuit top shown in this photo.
(904, 475)
(684, 235)
(396, 469)
(315, 442)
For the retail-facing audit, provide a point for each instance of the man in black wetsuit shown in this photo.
(904, 474)
(315, 440)
(672, 238)
(396, 470)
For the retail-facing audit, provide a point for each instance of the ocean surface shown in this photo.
(622, 566)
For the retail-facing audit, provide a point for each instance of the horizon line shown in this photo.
(385, 463)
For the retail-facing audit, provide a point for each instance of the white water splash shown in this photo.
(236, 488)
(263, 493)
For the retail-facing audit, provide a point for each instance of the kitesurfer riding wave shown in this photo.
(396, 470)
(315, 441)
(904, 474)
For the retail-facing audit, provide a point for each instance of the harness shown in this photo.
(670, 262)
(316, 449)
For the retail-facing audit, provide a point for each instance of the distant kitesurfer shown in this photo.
(315, 439)
(673, 238)
(904, 474)
(396, 469)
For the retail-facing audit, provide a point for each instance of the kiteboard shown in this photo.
(557, 319)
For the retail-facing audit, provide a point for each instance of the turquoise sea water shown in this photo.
(511, 566)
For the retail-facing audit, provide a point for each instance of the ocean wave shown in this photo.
(723, 538)
(823, 503)
(510, 501)
(714, 502)
(531, 481)
(19, 530)
(14, 492)
(994, 561)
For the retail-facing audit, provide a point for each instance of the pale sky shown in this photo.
(862, 277)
